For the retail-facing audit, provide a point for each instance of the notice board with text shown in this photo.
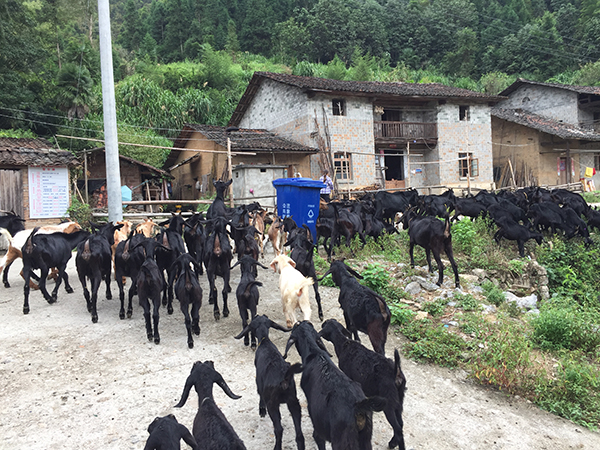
(48, 192)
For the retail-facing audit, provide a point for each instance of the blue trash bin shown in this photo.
(299, 198)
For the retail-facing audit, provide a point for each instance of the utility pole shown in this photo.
(113, 173)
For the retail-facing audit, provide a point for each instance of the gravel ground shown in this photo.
(66, 383)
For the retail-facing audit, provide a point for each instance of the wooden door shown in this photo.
(11, 191)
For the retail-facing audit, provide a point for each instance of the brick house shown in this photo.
(549, 132)
(389, 134)
(200, 156)
(34, 180)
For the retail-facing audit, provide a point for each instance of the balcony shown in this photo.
(402, 132)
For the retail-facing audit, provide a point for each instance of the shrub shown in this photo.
(567, 328)
(493, 293)
(435, 307)
(466, 301)
(80, 212)
(433, 343)
(401, 314)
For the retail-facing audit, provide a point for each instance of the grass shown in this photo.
(552, 359)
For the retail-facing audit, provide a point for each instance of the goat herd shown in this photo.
(340, 400)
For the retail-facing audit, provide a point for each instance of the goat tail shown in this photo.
(288, 378)
(250, 285)
(447, 229)
(86, 254)
(308, 281)
(370, 404)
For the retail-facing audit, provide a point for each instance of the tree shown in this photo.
(293, 40)
(232, 45)
(461, 62)
(74, 90)
(255, 36)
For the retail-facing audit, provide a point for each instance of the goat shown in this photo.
(514, 231)
(292, 285)
(211, 429)
(150, 283)
(94, 261)
(302, 254)
(120, 234)
(217, 261)
(12, 222)
(257, 219)
(165, 434)
(146, 228)
(217, 207)
(376, 374)
(166, 254)
(274, 379)
(48, 250)
(17, 241)
(277, 236)
(188, 292)
(247, 292)
(433, 235)
(129, 257)
(364, 309)
(193, 235)
(339, 411)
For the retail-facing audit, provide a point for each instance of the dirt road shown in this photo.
(66, 383)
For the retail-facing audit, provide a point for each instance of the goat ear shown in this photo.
(353, 272)
(236, 264)
(326, 273)
(273, 265)
(291, 341)
(321, 345)
(186, 391)
(261, 265)
(243, 333)
(292, 263)
(276, 326)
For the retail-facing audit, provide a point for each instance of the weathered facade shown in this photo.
(201, 156)
(548, 132)
(22, 159)
(392, 134)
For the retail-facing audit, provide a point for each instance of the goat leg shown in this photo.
(68, 288)
(296, 412)
(26, 288)
(155, 317)
(275, 415)
(188, 323)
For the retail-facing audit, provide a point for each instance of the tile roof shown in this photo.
(33, 152)
(549, 126)
(136, 162)
(593, 90)
(243, 139)
(370, 88)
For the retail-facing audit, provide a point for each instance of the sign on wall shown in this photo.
(48, 192)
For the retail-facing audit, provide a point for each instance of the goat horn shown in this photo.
(326, 273)
(243, 333)
(186, 392)
(276, 326)
(291, 341)
(221, 382)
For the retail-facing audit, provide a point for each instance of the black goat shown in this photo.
(514, 231)
(94, 262)
(434, 236)
(12, 222)
(364, 309)
(247, 292)
(193, 235)
(217, 207)
(44, 251)
(188, 292)
(302, 253)
(376, 374)
(274, 379)
(166, 254)
(339, 411)
(150, 283)
(217, 261)
(127, 264)
(211, 429)
(166, 434)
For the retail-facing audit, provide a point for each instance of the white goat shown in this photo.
(292, 285)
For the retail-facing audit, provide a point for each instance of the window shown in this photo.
(342, 163)
(463, 165)
(463, 113)
(597, 162)
(339, 107)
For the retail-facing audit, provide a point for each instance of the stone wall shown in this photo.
(554, 103)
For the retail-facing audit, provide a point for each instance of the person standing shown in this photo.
(326, 191)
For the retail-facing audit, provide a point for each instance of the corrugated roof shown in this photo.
(412, 90)
(33, 152)
(593, 90)
(243, 139)
(553, 127)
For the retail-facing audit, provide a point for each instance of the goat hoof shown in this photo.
(170, 310)
(7, 284)
(191, 344)
(108, 296)
(150, 336)
(196, 330)
(225, 313)
(157, 340)
(26, 310)
(95, 319)
(393, 443)
(129, 313)
(253, 346)
(69, 290)
(121, 315)
(246, 341)
(262, 412)
(211, 301)
(217, 315)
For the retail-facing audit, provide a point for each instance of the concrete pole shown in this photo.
(230, 172)
(113, 173)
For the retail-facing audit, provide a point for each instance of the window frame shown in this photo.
(463, 169)
(342, 160)
(338, 107)
(464, 113)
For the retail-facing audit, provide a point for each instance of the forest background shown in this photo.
(179, 61)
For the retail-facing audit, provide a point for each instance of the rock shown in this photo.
(529, 302)
(421, 315)
(533, 312)
(479, 273)
(489, 309)
(429, 286)
(470, 279)
(418, 279)
(413, 288)
(544, 292)
(453, 304)
(477, 290)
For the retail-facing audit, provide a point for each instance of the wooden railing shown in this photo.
(408, 130)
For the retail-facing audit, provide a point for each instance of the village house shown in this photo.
(374, 133)
(35, 180)
(200, 156)
(546, 134)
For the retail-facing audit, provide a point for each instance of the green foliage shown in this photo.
(493, 293)
(79, 212)
(466, 301)
(435, 307)
(517, 266)
(433, 343)
(321, 267)
(568, 327)
(18, 133)
(401, 314)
